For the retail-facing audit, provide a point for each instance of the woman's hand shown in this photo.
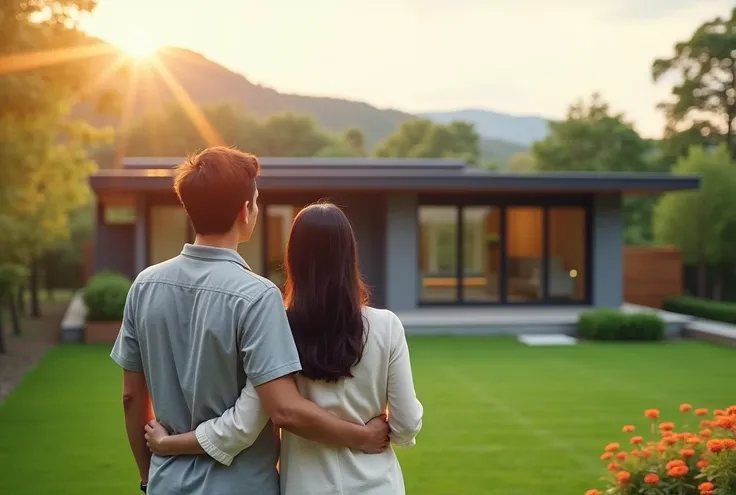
(156, 438)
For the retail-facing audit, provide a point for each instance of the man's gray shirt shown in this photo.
(198, 326)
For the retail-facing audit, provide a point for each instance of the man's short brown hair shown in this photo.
(213, 185)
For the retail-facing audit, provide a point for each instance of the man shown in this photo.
(197, 326)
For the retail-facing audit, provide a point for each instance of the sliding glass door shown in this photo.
(505, 253)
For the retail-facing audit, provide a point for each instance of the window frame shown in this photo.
(502, 202)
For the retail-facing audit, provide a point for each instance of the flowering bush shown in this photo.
(698, 459)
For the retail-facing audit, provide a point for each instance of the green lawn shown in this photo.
(500, 418)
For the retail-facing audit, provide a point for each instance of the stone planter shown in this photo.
(101, 332)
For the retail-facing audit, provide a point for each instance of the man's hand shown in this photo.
(378, 439)
(156, 436)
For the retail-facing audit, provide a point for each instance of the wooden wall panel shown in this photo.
(651, 274)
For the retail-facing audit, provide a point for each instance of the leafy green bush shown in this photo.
(703, 308)
(105, 296)
(11, 277)
(612, 324)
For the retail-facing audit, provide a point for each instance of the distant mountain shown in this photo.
(207, 82)
(519, 129)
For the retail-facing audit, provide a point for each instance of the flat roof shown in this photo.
(376, 174)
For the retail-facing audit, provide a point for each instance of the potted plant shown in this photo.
(104, 297)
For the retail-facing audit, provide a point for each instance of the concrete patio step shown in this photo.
(72, 325)
(711, 331)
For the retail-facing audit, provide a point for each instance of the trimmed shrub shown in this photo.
(612, 324)
(105, 296)
(702, 308)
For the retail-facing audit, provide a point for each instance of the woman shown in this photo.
(355, 363)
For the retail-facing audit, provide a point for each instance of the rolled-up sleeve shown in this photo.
(404, 409)
(225, 437)
(127, 352)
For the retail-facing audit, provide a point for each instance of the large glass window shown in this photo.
(278, 223)
(481, 253)
(524, 251)
(252, 251)
(169, 232)
(438, 231)
(566, 263)
(507, 254)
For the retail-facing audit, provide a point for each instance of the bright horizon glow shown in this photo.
(138, 45)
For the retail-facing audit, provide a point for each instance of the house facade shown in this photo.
(430, 232)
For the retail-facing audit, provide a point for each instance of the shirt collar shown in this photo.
(211, 253)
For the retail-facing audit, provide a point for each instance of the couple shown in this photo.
(252, 394)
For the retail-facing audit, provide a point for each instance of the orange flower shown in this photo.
(636, 453)
(593, 491)
(719, 412)
(623, 477)
(671, 440)
(606, 456)
(687, 453)
(702, 464)
(729, 443)
(628, 428)
(613, 467)
(636, 440)
(612, 447)
(621, 456)
(678, 471)
(651, 479)
(705, 424)
(731, 410)
(706, 487)
(661, 449)
(681, 436)
(669, 426)
(725, 422)
(646, 453)
(673, 464)
(685, 407)
(705, 433)
(701, 412)
(715, 446)
(652, 413)
(693, 440)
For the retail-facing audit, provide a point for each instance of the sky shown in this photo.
(528, 57)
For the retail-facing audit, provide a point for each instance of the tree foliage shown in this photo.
(422, 138)
(172, 133)
(701, 223)
(42, 154)
(704, 100)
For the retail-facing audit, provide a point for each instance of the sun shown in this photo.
(137, 45)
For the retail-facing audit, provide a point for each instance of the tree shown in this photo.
(592, 138)
(43, 156)
(522, 162)
(355, 139)
(702, 223)
(422, 138)
(705, 98)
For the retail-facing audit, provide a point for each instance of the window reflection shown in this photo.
(438, 253)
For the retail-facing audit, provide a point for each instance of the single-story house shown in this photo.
(430, 232)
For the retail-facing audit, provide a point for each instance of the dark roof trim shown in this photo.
(418, 180)
(313, 163)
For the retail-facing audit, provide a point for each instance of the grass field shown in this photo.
(500, 418)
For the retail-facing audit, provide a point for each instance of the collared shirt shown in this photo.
(199, 326)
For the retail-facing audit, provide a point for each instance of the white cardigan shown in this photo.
(381, 380)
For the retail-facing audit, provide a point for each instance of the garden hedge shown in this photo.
(702, 308)
(613, 324)
(105, 296)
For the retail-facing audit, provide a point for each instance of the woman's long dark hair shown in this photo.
(325, 293)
